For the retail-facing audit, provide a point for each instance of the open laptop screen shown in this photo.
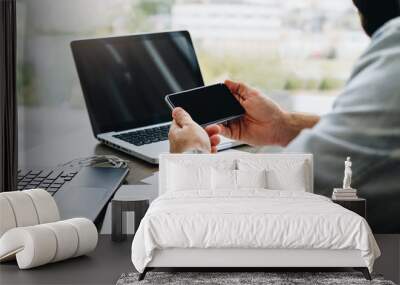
(125, 79)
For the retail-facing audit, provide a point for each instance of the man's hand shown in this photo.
(264, 122)
(186, 135)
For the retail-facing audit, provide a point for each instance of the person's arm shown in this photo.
(293, 124)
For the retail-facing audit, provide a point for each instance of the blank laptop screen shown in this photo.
(125, 79)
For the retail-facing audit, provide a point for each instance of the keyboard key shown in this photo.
(52, 189)
(72, 173)
(23, 172)
(59, 181)
(54, 174)
(45, 173)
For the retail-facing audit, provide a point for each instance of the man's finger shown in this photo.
(181, 117)
(233, 87)
(225, 131)
(214, 149)
(212, 130)
(231, 129)
(238, 88)
(215, 140)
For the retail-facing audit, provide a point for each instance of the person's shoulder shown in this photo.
(391, 28)
(384, 47)
(375, 74)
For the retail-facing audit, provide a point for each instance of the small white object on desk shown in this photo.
(346, 193)
(31, 231)
(47, 243)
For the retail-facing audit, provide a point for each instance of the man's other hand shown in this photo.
(186, 135)
(264, 122)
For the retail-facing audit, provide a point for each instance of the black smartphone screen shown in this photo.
(207, 105)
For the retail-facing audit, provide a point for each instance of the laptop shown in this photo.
(124, 81)
(78, 191)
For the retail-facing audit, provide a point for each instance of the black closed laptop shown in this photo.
(80, 192)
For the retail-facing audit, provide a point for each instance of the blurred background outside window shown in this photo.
(295, 47)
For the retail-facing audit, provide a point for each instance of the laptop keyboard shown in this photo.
(50, 180)
(147, 136)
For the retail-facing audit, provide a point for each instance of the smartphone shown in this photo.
(207, 105)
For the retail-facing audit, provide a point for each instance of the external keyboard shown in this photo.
(49, 179)
(147, 136)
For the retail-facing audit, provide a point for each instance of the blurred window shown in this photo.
(296, 46)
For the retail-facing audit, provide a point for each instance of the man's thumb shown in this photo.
(181, 117)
